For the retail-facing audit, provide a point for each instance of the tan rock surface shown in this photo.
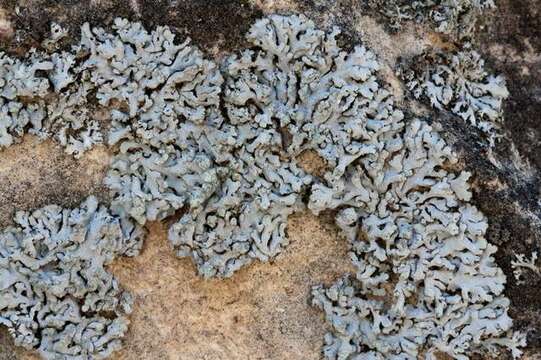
(262, 312)
(35, 173)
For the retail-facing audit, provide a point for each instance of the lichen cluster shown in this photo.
(294, 91)
(55, 293)
(47, 95)
(426, 280)
(522, 264)
(455, 17)
(458, 83)
(217, 147)
(163, 99)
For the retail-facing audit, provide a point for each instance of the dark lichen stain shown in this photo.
(516, 29)
(514, 22)
(208, 23)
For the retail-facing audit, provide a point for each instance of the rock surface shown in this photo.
(263, 311)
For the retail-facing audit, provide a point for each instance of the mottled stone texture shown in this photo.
(506, 189)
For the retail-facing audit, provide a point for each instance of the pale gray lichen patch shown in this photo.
(456, 17)
(21, 96)
(387, 180)
(177, 153)
(522, 263)
(163, 83)
(426, 281)
(55, 293)
(47, 95)
(169, 123)
(294, 91)
(299, 81)
(246, 217)
(150, 184)
(416, 227)
(460, 84)
(70, 117)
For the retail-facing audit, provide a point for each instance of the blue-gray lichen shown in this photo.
(156, 84)
(47, 95)
(426, 280)
(459, 83)
(149, 184)
(164, 114)
(224, 161)
(457, 17)
(422, 258)
(246, 217)
(294, 91)
(55, 293)
(21, 96)
(522, 263)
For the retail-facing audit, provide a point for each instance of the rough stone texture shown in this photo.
(260, 313)
(178, 315)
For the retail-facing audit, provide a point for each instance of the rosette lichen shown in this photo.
(153, 84)
(47, 95)
(164, 114)
(456, 17)
(55, 293)
(294, 91)
(414, 238)
(426, 280)
(217, 149)
(460, 84)
(246, 217)
(21, 96)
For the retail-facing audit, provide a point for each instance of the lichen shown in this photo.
(57, 34)
(423, 263)
(456, 17)
(460, 84)
(295, 90)
(163, 99)
(55, 293)
(522, 263)
(246, 216)
(388, 181)
(412, 233)
(217, 147)
(156, 84)
(21, 96)
(47, 95)
(152, 184)
(70, 118)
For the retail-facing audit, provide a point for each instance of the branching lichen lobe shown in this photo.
(55, 293)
